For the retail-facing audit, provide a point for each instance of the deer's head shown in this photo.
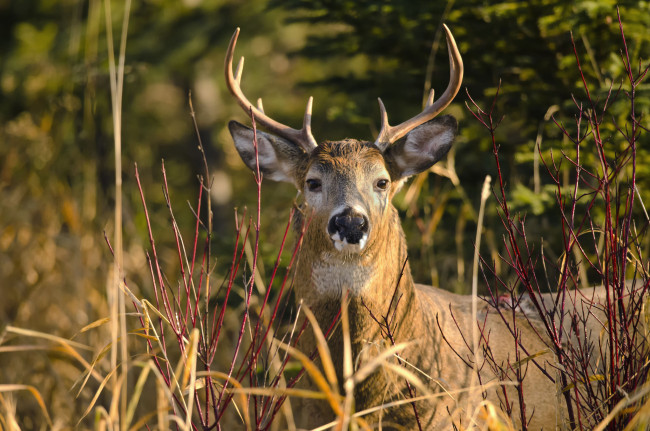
(348, 184)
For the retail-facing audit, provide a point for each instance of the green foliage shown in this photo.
(526, 198)
(525, 46)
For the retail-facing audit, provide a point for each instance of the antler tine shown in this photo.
(390, 134)
(383, 139)
(239, 71)
(302, 137)
(306, 122)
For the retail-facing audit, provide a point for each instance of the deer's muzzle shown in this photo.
(348, 230)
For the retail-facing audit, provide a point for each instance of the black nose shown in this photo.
(349, 224)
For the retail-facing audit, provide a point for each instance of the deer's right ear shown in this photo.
(278, 158)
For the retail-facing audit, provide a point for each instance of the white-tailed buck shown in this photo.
(354, 243)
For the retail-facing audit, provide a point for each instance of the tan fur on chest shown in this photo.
(331, 277)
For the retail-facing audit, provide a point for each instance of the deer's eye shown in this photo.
(382, 184)
(314, 185)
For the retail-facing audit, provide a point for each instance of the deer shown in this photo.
(354, 247)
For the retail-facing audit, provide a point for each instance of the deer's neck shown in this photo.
(383, 308)
(378, 282)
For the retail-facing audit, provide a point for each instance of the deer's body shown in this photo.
(354, 244)
(379, 280)
(423, 319)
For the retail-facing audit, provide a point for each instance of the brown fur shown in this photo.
(420, 310)
(438, 324)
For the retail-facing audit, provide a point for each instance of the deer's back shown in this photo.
(451, 314)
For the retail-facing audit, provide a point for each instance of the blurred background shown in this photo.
(56, 133)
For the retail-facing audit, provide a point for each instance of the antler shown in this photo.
(302, 137)
(390, 134)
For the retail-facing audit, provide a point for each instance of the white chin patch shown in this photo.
(344, 245)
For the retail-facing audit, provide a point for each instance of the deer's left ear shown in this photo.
(423, 146)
